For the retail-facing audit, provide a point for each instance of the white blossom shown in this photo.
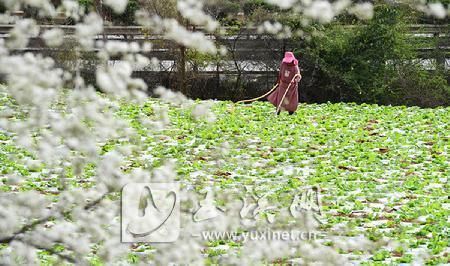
(272, 28)
(72, 9)
(116, 47)
(20, 34)
(172, 30)
(77, 134)
(118, 6)
(283, 4)
(437, 9)
(171, 96)
(203, 111)
(320, 10)
(117, 80)
(53, 37)
(340, 6)
(86, 31)
(7, 19)
(193, 10)
(362, 10)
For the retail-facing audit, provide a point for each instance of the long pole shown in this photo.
(285, 93)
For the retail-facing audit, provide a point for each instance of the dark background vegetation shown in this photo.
(373, 61)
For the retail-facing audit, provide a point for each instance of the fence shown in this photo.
(249, 69)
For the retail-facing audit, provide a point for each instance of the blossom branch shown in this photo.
(42, 220)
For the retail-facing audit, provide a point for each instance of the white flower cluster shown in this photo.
(275, 28)
(127, 51)
(117, 47)
(193, 11)
(203, 111)
(89, 29)
(67, 126)
(71, 9)
(320, 10)
(435, 9)
(362, 10)
(170, 96)
(272, 28)
(197, 40)
(118, 6)
(20, 34)
(32, 79)
(283, 4)
(7, 19)
(53, 37)
(172, 30)
(200, 111)
(324, 11)
(117, 80)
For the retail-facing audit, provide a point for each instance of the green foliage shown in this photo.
(374, 62)
(86, 3)
(126, 18)
(415, 86)
(250, 6)
(381, 255)
(333, 146)
(357, 56)
(222, 9)
(197, 59)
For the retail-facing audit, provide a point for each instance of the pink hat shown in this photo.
(289, 58)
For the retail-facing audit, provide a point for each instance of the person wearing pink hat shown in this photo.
(288, 79)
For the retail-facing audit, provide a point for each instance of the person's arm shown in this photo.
(297, 79)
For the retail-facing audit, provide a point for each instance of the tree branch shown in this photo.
(42, 220)
(24, 229)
